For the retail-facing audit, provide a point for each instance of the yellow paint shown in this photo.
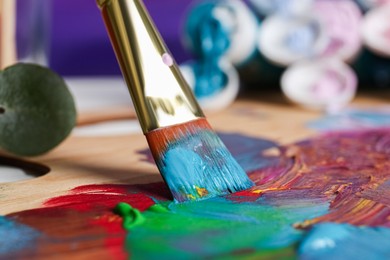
(201, 191)
(265, 190)
(363, 203)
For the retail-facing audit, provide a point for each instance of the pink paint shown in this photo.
(342, 19)
(330, 85)
(386, 34)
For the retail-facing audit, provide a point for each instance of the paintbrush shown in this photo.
(193, 161)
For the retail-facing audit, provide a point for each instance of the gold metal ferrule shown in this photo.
(159, 92)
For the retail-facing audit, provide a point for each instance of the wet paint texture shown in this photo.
(324, 198)
(217, 227)
(195, 163)
(200, 166)
(16, 237)
(131, 217)
(72, 225)
(343, 241)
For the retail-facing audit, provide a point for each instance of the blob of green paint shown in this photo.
(220, 228)
(131, 217)
(158, 208)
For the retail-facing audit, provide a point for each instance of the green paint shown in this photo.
(158, 208)
(219, 228)
(131, 217)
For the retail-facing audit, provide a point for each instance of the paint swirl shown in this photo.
(323, 198)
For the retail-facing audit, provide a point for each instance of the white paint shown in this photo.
(323, 243)
(12, 174)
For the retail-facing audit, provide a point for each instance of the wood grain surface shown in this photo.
(116, 159)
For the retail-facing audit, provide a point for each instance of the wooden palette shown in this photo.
(115, 159)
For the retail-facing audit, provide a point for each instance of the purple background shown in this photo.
(80, 45)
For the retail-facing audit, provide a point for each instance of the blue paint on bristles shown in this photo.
(194, 162)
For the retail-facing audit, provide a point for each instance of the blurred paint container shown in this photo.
(341, 20)
(222, 36)
(286, 40)
(225, 96)
(24, 27)
(376, 30)
(238, 24)
(320, 84)
(282, 7)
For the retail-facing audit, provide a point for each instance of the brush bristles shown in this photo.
(194, 162)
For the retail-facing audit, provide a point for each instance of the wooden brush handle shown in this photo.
(7, 33)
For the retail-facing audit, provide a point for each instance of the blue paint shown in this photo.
(248, 151)
(344, 241)
(214, 170)
(302, 39)
(209, 77)
(209, 39)
(205, 33)
(352, 119)
(15, 237)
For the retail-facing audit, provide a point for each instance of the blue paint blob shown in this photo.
(344, 241)
(205, 33)
(15, 237)
(214, 170)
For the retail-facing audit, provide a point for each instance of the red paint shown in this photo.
(83, 219)
(116, 235)
(350, 170)
(86, 198)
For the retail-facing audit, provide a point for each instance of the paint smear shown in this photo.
(324, 198)
(16, 238)
(350, 119)
(343, 241)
